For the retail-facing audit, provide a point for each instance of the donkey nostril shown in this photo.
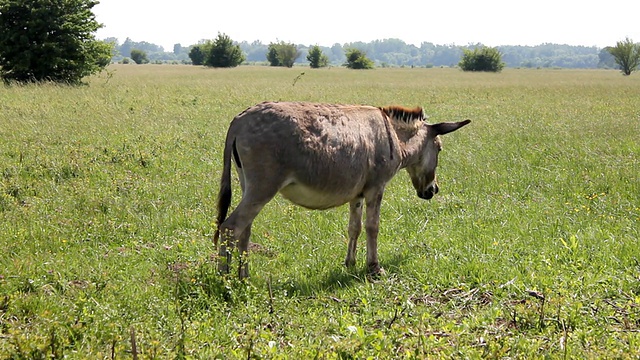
(426, 194)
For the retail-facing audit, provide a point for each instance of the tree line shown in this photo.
(48, 40)
(392, 53)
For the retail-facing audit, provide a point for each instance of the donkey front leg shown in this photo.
(372, 227)
(355, 226)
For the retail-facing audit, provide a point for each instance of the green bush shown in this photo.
(49, 40)
(357, 59)
(482, 59)
(223, 53)
(139, 56)
(282, 54)
(197, 54)
(317, 58)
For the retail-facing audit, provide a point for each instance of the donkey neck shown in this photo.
(411, 145)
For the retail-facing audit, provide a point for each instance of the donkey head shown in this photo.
(423, 171)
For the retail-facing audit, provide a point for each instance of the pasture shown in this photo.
(107, 208)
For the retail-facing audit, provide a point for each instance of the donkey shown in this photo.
(320, 156)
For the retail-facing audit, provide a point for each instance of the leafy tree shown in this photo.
(357, 59)
(605, 59)
(337, 53)
(481, 59)
(288, 54)
(197, 54)
(145, 46)
(627, 55)
(139, 56)
(317, 58)
(223, 53)
(282, 54)
(255, 51)
(50, 40)
(272, 55)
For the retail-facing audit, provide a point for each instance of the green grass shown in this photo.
(530, 250)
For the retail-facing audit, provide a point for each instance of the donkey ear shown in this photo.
(447, 127)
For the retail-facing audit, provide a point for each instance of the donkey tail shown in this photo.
(224, 196)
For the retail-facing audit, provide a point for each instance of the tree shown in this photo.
(223, 53)
(282, 54)
(272, 55)
(255, 51)
(50, 40)
(627, 55)
(481, 59)
(317, 58)
(357, 59)
(605, 59)
(139, 56)
(337, 53)
(197, 54)
(288, 54)
(145, 46)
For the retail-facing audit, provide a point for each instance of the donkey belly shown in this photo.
(313, 198)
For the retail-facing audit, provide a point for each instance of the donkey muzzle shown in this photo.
(429, 192)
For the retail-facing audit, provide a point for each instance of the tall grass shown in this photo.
(107, 198)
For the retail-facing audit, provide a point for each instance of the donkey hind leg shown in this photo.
(236, 230)
(355, 226)
(243, 252)
(243, 241)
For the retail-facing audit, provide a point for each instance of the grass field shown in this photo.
(530, 250)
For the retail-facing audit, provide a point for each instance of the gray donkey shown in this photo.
(321, 156)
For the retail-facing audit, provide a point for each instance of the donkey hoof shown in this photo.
(243, 273)
(223, 266)
(350, 263)
(375, 272)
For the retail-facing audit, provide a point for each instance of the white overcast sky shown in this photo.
(326, 22)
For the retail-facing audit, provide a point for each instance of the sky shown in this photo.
(326, 22)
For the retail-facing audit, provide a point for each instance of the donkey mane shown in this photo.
(403, 117)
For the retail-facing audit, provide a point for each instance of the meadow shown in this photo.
(530, 250)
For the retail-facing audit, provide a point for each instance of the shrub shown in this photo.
(357, 59)
(139, 56)
(482, 59)
(282, 54)
(223, 53)
(197, 54)
(317, 58)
